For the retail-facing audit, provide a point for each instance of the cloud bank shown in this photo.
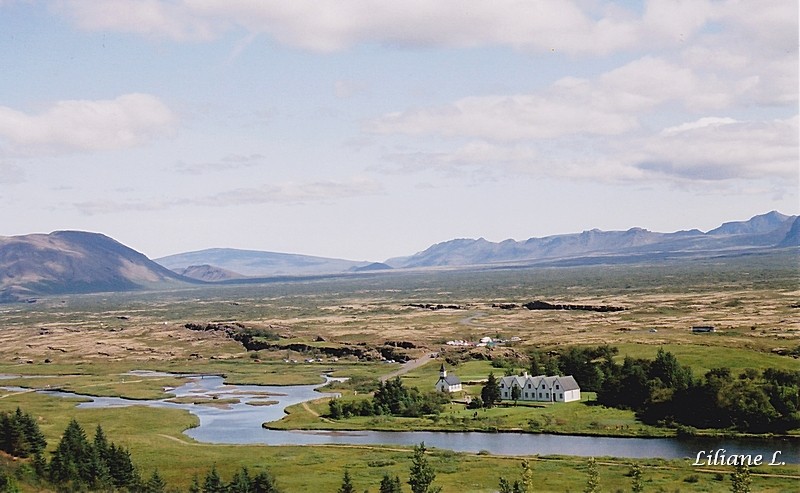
(83, 125)
(568, 26)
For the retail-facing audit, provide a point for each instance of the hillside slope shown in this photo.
(254, 263)
(74, 262)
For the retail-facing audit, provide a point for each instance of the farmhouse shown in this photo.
(447, 383)
(540, 388)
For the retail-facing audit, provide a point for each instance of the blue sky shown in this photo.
(371, 129)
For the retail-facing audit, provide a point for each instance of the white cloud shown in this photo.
(611, 104)
(719, 149)
(542, 25)
(701, 123)
(289, 193)
(85, 125)
(707, 150)
(155, 18)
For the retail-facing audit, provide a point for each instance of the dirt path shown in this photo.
(407, 367)
(470, 319)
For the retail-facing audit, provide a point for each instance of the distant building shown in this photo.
(704, 328)
(447, 383)
(541, 388)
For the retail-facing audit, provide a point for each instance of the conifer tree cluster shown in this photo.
(20, 435)
(242, 482)
(98, 464)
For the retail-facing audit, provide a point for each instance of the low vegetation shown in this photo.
(90, 344)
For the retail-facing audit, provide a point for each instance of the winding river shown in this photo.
(240, 423)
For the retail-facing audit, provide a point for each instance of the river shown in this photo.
(240, 423)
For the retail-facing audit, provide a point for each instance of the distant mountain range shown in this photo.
(767, 230)
(79, 262)
(253, 263)
(75, 262)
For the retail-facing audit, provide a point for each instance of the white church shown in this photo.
(541, 388)
(447, 383)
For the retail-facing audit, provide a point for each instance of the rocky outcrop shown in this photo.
(430, 306)
(265, 340)
(505, 306)
(543, 305)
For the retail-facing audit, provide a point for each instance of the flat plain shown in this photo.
(88, 343)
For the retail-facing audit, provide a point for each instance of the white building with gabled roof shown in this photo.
(447, 383)
(541, 388)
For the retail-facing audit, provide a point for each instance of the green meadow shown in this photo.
(90, 344)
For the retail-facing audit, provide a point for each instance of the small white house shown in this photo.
(541, 388)
(447, 383)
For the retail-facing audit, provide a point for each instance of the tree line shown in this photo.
(81, 464)
(664, 392)
(390, 398)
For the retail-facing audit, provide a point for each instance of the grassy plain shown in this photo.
(90, 343)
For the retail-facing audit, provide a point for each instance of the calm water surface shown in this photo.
(240, 423)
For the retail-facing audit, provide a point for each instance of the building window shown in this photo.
(557, 387)
(540, 395)
(560, 396)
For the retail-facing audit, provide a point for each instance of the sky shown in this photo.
(367, 130)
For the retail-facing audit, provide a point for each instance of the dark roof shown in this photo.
(568, 383)
(450, 380)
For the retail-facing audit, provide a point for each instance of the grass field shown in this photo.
(88, 344)
(155, 440)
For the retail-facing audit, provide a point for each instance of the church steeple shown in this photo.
(442, 372)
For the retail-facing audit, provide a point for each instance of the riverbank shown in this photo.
(583, 418)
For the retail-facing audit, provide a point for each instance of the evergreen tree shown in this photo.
(20, 435)
(100, 442)
(490, 393)
(422, 474)
(195, 486)
(213, 483)
(241, 482)
(637, 485)
(263, 482)
(40, 465)
(524, 486)
(535, 367)
(390, 484)
(740, 479)
(155, 484)
(347, 484)
(516, 393)
(592, 479)
(71, 460)
(120, 466)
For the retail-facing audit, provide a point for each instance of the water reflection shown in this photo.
(238, 422)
